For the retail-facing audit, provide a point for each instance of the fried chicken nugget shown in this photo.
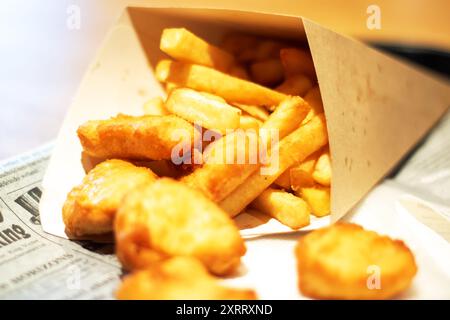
(177, 279)
(166, 219)
(147, 137)
(90, 207)
(341, 261)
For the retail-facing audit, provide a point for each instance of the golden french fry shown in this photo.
(318, 199)
(236, 43)
(127, 137)
(239, 72)
(267, 72)
(314, 99)
(265, 49)
(249, 122)
(287, 116)
(155, 106)
(222, 173)
(255, 111)
(295, 85)
(202, 78)
(287, 208)
(296, 61)
(183, 45)
(170, 87)
(294, 148)
(300, 178)
(306, 165)
(322, 170)
(205, 109)
(284, 180)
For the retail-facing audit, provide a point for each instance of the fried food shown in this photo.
(294, 148)
(322, 170)
(183, 45)
(297, 61)
(127, 137)
(287, 208)
(268, 72)
(295, 85)
(178, 278)
(318, 199)
(205, 79)
(344, 261)
(155, 106)
(91, 206)
(205, 109)
(228, 162)
(166, 219)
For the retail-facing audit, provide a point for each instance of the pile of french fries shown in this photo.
(248, 82)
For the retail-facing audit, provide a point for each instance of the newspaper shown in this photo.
(37, 265)
(34, 264)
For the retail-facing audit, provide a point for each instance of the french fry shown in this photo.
(249, 122)
(284, 180)
(294, 148)
(183, 45)
(155, 106)
(236, 43)
(267, 72)
(318, 199)
(306, 166)
(202, 78)
(255, 111)
(239, 72)
(297, 61)
(287, 208)
(295, 85)
(170, 86)
(314, 99)
(219, 175)
(300, 178)
(265, 49)
(207, 110)
(287, 116)
(322, 170)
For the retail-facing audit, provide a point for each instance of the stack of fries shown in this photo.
(252, 83)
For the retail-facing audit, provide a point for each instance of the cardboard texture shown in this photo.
(376, 107)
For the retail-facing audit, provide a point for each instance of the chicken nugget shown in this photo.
(90, 207)
(178, 278)
(148, 137)
(344, 261)
(166, 219)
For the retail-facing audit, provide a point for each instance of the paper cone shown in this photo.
(376, 107)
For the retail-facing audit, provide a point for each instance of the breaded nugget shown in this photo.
(90, 207)
(167, 218)
(176, 279)
(342, 262)
(146, 137)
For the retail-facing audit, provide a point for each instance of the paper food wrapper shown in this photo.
(376, 107)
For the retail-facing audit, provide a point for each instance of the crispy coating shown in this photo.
(90, 207)
(166, 219)
(146, 137)
(344, 261)
(177, 279)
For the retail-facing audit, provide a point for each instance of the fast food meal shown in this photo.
(242, 126)
(178, 278)
(167, 218)
(90, 207)
(344, 261)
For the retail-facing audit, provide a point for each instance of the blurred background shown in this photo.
(43, 54)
